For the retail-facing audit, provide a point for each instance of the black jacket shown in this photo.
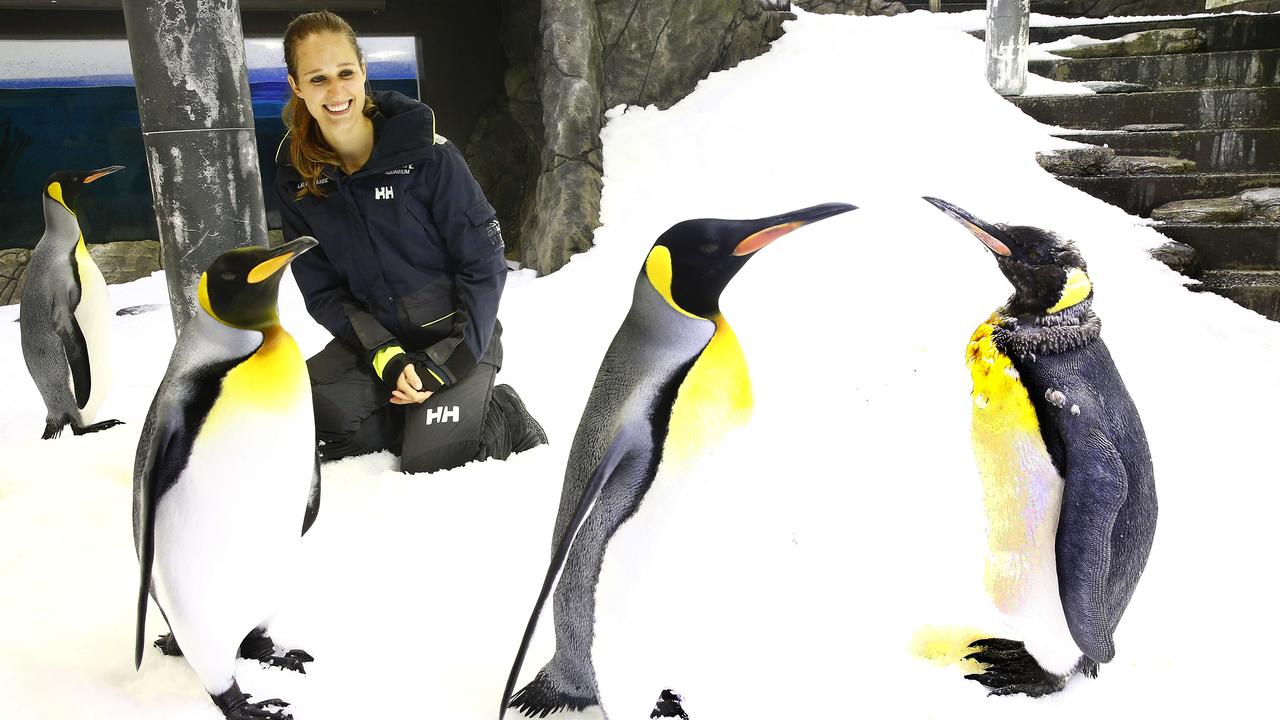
(410, 251)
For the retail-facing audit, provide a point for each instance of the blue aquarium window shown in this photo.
(71, 104)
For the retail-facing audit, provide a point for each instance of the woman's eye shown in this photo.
(316, 80)
(346, 73)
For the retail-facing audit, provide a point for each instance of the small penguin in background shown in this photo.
(1068, 483)
(66, 314)
(672, 380)
(226, 479)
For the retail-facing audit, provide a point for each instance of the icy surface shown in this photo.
(817, 542)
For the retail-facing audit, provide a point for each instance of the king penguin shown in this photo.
(673, 378)
(1069, 488)
(226, 478)
(66, 314)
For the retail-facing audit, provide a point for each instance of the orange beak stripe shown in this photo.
(758, 240)
(268, 268)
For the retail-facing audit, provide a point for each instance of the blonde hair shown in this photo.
(308, 150)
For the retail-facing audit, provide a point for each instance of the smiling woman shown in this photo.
(409, 270)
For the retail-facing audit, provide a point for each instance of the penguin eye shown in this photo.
(708, 248)
(228, 276)
(1034, 255)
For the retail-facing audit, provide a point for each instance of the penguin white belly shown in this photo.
(663, 572)
(93, 315)
(229, 529)
(642, 602)
(1022, 494)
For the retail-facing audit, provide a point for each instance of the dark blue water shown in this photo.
(46, 129)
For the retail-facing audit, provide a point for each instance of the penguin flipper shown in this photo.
(599, 478)
(165, 424)
(1095, 488)
(313, 500)
(77, 352)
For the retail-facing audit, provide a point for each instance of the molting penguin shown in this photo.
(66, 314)
(672, 381)
(1069, 488)
(226, 478)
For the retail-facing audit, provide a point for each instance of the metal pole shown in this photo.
(197, 128)
(1008, 32)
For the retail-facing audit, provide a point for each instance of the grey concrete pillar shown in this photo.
(197, 128)
(1008, 32)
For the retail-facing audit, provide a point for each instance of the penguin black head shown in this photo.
(64, 186)
(242, 286)
(693, 262)
(1046, 270)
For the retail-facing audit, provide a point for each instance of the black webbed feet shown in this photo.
(95, 427)
(168, 645)
(668, 706)
(259, 646)
(237, 706)
(1011, 669)
(273, 709)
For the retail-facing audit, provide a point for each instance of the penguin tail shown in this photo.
(543, 696)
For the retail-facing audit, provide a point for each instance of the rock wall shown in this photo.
(119, 262)
(851, 7)
(538, 154)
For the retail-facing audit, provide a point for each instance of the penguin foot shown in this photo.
(261, 710)
(542, 697)
(235, 705)
(168, 645)
(53, 429)
(259, 646)
(95, 427)
(1011, 669)
(668, 706)
(292, 660)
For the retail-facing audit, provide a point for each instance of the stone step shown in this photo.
(1222, 32)
(1245, 149)
(1197, 109)
(1158, 41)
(1140, 194)
(1234, 246)
(1241, 68)
(1257, 290)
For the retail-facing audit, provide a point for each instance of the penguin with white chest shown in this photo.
(226, 479)
(66, 314)
(673, 380)
(1068, 482)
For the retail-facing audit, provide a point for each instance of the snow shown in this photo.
(821, 550)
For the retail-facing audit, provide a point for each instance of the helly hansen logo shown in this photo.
(384, 193)
(444, 414)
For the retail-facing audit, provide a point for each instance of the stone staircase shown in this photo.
(1187, 121)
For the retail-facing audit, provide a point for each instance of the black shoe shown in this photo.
(526, 432)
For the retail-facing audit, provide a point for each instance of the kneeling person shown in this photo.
(408, 273)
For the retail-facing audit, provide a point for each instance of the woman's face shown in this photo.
(330, 81)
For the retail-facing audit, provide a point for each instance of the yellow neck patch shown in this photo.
(202, 295)
(1077, 288)
(55, 192)
(658, 269)
(714, 398)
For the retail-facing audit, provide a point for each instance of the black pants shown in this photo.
(355, 415)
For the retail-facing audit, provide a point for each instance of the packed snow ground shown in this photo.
(819, 545)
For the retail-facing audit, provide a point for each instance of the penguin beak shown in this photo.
(281, 257)
(102, 173)
(779, 225)
(980, 229)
